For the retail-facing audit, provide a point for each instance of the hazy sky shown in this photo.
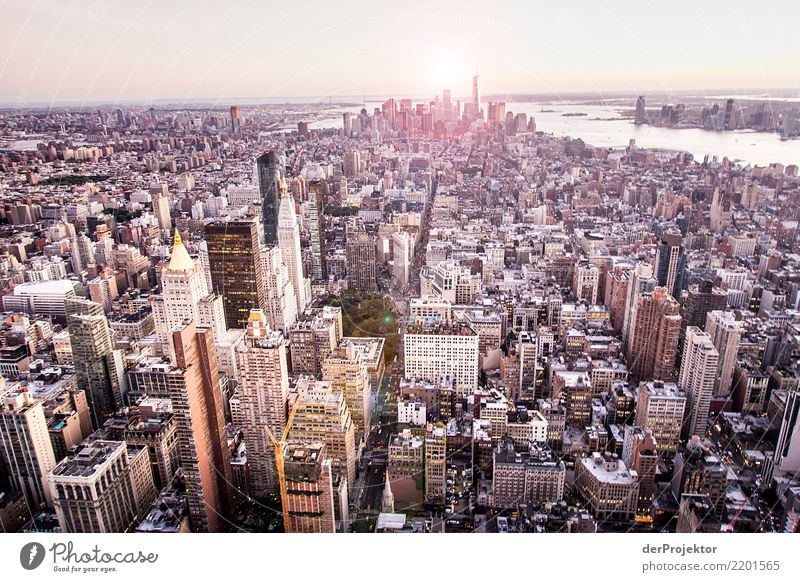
(110, 50)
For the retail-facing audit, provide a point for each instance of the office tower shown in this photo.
(640, 454)
(260, 399)
(346, 124)
(697, 378)
(352, 164)
(641, 280)
(435, 465)
(575, 388)
(313, 338)
(729, 121)
(160, 195)
(696, 515)
(476, 99)
(654, 334)
(699, 471)
(360, 252)
(25, 447)
(317, 192)
(702, 298)
(749, 393)
(104, 487)
(609, 488)
(433, 350)
(183, 291)
(289, 243)
(659, 410)
(585, 281)
(281, 304)
(725, 332)
(193, 383)
(268, 182)
(786, 459)
(671, 263)
(641, 113)
(234, 255)
(321, 415)
(401, 252)
(307, 489)
(345, 371)
(720, 211)
(235, 127)
(98, 367)
(533, 476)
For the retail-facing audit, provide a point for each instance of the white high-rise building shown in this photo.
(289, 243)
(184, 295)
(260, 399)
(641, 280)
(401, 251)
(160, 196)
(433, 350)
(725, 332)
(697, 378)
(281, 302)
(585, 281)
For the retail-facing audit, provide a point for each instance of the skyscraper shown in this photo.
(360, 252)
(160, 195)
(346, 372)
(25, 448)
(697, 378)
(193, 383)
(671, 263)
(268, 182)
(98, 367)
(476, 99)
(281, 304)
(654, 334)
(640, 454)
(235, 127)
(183, 287)
(234, 255)
(289, 243)
(317, 191)
(641, 279)
(401, 253)
(260, 400)
(725, 331)
(660, 408)
(307, 489)
(641, 113)
(103, 488)
(701, 299)
(786, 459)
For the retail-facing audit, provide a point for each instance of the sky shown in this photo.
(89, 51)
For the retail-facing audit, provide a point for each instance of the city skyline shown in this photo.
(94, 52)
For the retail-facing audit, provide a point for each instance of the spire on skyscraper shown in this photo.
(180, 259)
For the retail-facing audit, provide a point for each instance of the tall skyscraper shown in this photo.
(160, 195)
(697, 378)
(401, 255)
(671, 263)
(786, 460)
(660, 409)
(235, 127)
(476, 98)
(641, 279)
(317, 192)
(98, 367)
(654, 334)
(234, 255)
(640, 454)
(641, 112)
(25, 447)
(360, 253)
(193, 383)
(321, 415)
(345, 371)
(701, 299)
(268, 182)
(726, 332)
(260, 399)
(183, 289)
(289, 243)
(281, 304)
(307, 489)
(435, 465)
(352, 164)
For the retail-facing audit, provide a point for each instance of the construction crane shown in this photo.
(279, 446)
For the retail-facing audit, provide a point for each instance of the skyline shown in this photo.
(97, 52)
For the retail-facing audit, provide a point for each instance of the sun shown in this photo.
(443, 70)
